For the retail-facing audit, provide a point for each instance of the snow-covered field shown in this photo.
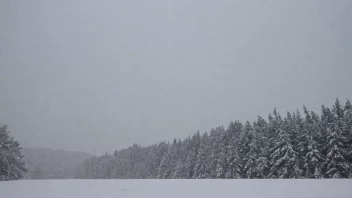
(176, 188)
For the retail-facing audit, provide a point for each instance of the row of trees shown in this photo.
(12, 165)
(294, 146)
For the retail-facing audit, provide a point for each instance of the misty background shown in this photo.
(97, 76)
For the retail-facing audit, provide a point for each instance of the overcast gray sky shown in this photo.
(101, 75)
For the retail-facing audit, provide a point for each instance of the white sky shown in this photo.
(101, 75)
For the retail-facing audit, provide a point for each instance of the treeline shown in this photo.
(297, 145)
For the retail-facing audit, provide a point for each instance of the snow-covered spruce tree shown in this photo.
(348, 115)
(253, 152)
(348, 120)
(274, 125)
(348, 130)
(226, 141)
(262, 168)
(297, 129)
(261, 129)
(168, 163)
(271, 134)
(103, 169)
(243, 146)
(256, 165)
(164, 168)
(150, 161)
(336, 164)
(193, 148)
(179, 171)
(284, 159)
(234, 165)
(206, 144)
(234, 131)
(327, 117)
(174, 157)
(221, 164)
(309, 146)
(12, 165)
(200, 168)
(215, 144)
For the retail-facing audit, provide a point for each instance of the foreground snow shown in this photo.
(175, 188)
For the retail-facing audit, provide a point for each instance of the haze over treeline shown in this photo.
(53, 164)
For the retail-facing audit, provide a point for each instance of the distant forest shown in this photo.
(36, 163)
(52, 164)
(296, 145)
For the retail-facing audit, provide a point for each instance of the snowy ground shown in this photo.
(176, 188)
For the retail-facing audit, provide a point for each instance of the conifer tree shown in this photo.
(252, 154)
(348, 131)
(12, 165)
(283, 156)
(234, 169)
(336, 163)
(221, 165)
(244, 148)
(200, 168)
(164, 168)
(262, 161)
(309, 146)
(190, 162)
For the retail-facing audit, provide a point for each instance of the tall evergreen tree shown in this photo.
(200, 168)
(234, 170)
(221, 163)
(253, 153)
(244, 146)
(191, 158)
(336, 164)
(180, 169)
(164, 171)
(309, 146)
(348, 131)
(12, 165)
(284, 158)
(262, 161)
